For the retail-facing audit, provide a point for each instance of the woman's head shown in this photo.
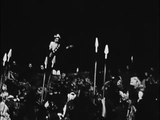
(1, 99)
(57, 37)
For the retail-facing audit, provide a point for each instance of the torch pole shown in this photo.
(95, 76)
(44, 78)
(104, 79)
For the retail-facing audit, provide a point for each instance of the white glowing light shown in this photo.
(96, 45)
(132, 58)
(4, 59)
(42, 67)
(106, 51)
(54, 72)
(77, 70)
(30, 65)
(45, 62)
(9, 54)
(58, 72)
(46, 104)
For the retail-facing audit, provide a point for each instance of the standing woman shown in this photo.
(53, 48)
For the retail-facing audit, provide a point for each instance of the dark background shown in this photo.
(128, 27)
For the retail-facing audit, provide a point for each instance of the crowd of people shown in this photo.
(52, 95)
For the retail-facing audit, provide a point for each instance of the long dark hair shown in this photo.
(1, 99)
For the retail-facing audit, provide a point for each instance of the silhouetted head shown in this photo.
(1, 99)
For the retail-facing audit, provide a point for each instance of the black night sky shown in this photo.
(128, 27)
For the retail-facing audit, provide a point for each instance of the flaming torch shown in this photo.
(95, 66)
(4, 59)
(9, 55)
(106, 51)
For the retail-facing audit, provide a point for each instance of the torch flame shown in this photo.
(45, 62)
(132, 58)
(106, 51)
(9, 54)
(4, 59)
(96, 45)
